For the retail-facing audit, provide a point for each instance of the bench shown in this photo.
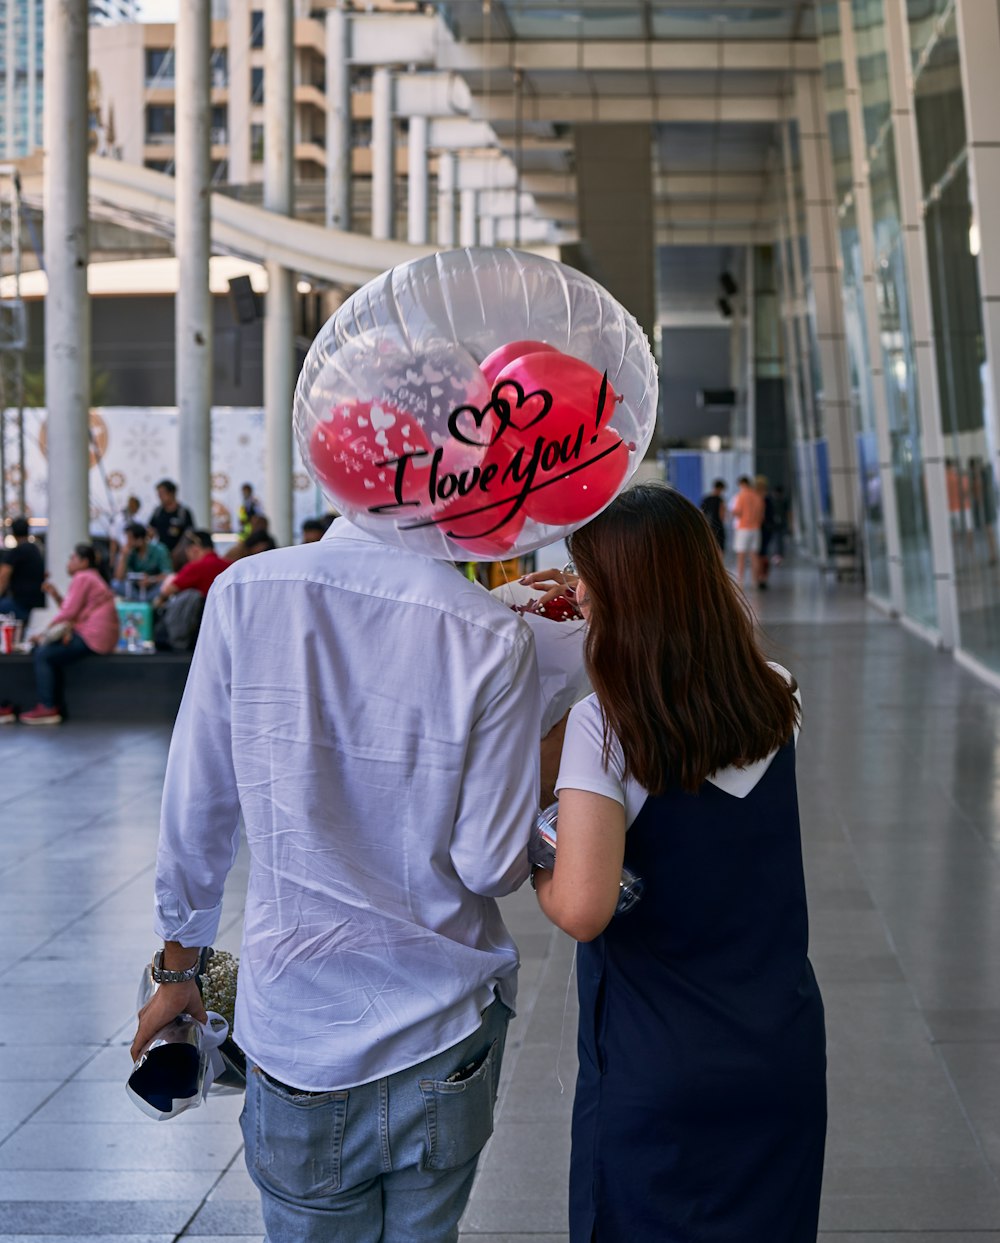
(125, 686)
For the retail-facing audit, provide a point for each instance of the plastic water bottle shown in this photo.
(542, 853)
(131, 635)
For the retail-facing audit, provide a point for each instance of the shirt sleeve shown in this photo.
(582, 766)
(199, 821)
(73, 601)
(186, 576)
(499, 797)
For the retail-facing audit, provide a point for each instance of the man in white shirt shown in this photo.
(376, 718)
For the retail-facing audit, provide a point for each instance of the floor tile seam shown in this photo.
(510, 1067)
(975, 827)
(76, 919)
(57, 1089)
(43, 846)
(993, 1173)
(208, 1195)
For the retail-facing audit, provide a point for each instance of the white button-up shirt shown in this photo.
(376, 718)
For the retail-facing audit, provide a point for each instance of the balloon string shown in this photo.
(562, 1032)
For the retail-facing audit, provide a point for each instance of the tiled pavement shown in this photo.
(899, 776)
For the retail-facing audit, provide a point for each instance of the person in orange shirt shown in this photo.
(748, 511)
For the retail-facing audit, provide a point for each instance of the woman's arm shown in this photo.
(580, 894)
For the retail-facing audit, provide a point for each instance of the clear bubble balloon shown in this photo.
(477, 404)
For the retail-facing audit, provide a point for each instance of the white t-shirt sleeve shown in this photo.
(583, 767)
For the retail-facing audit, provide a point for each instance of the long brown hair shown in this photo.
(671, 649)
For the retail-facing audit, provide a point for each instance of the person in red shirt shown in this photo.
(200, 571)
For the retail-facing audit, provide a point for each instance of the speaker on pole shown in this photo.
(243, 301)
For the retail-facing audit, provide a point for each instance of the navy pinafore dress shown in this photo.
(700, 1110)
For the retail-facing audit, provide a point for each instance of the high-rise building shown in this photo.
(109, 12)
(22, 25)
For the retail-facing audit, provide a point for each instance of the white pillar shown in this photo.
(866, 242)
(487, 230)
(193, 305)
(979, 53)
(416, 183)
(383, 154)
(468, 224)
(447, 171)
(904, 121)
(279, 166)
(67, 306)
(831, 335)
(338, 119)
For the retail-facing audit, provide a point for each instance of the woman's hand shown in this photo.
(554, 584)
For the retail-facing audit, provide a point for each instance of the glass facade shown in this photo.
(952, 249)
(884, 387)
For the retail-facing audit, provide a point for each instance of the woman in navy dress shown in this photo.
(700, 1110)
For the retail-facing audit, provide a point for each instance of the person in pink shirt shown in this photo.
(86, 625)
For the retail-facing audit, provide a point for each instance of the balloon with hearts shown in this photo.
(477, 404)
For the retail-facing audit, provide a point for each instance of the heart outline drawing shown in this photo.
(499, 406)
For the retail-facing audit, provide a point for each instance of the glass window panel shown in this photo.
(763, 22)
(873, 68)
(900, 381)
(969, 449)
(939, 108)
(923, 16)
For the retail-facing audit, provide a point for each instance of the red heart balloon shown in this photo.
(574, 497)
(575, 390)
(475, 531)
(494, 363)
(346, 449)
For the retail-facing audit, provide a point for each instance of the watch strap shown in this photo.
(161, 975)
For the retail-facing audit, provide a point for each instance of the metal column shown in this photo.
(193, 307)
(800, 333)
(831, 335)
(338, 119)
(897, 42)
(279, 363)
(866, 241)
(67, 306)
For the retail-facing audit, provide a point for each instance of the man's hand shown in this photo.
(163, 1007)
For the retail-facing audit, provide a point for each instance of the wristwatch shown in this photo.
(162, 976)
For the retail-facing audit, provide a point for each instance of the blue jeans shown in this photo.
(387, 1162)
(50, 661)
(9, 605)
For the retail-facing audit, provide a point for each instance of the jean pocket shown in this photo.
(295, 1139)
(459, 1113)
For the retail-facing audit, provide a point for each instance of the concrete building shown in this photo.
(135, 88)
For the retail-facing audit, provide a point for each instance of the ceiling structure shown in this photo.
(714, 80)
